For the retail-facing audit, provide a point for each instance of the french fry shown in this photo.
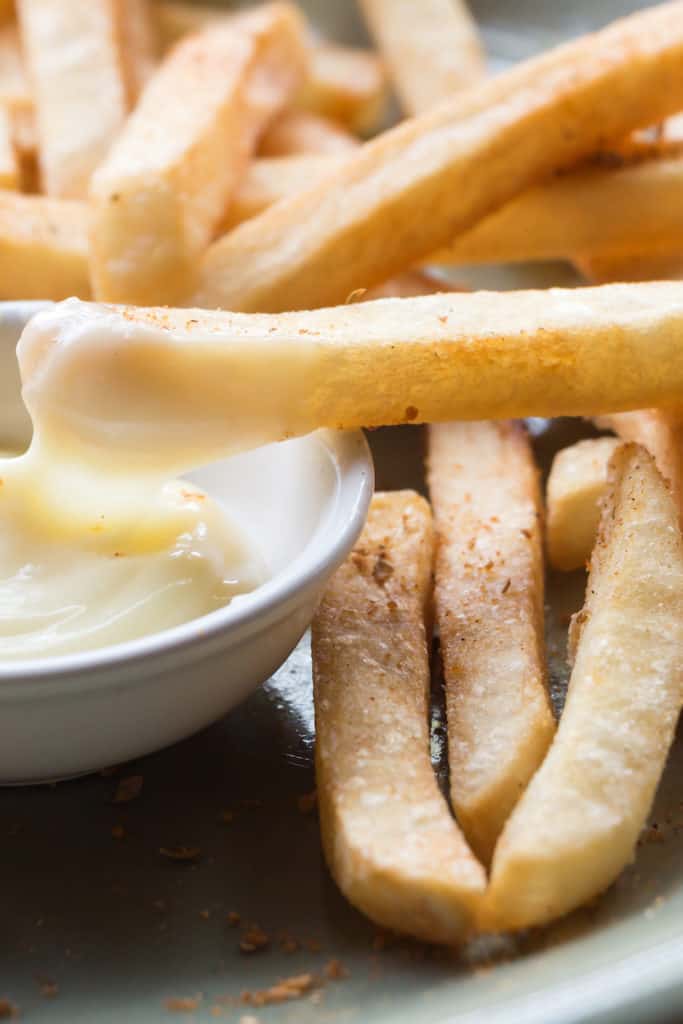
(139, 44)
(590, 209)
(347, 85)
(389, 839)
(76, 67)
(642, 263)
(175, 20)
(576, 486)
(159, 195)
(431, 54)
(270, 179)
(578, 822)
(43, 247)
(61, 227)
(9, 168)
(298, 132)
(254, 379)
(659, 431)
(6, 9)
(14, 87)
(488, 595)
(344, 84)
(376, 216)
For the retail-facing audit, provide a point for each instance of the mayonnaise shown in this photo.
(93, 554)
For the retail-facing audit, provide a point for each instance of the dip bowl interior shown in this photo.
(302, 503)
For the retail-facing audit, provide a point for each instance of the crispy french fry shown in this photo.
(139, 44)
(254, 379)
(389, 839)
(644, 263)
(488, 595)
(175, 20)
(162, 190)
(9, 167)
(588, 210)
(270, 179)
(431, 53)
(377, 216)
(259, 189)
(346, 85)
(577, 825)
(299, 131)
(76, 67)
(14, 87)
(661, 433)
(576, 486)
(43, 247)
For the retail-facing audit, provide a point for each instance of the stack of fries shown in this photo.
(157, 153)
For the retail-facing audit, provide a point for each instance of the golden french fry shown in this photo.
(175, 20)
(68, 218)
(76, 67)
(346, 85)
(663, 262)
(576, 486)
(270, 179)
(14, 87)
(299, 131)
(139, 44)
(43, 247)
(414, 188)
(431, 53)
(577, 825)
(249, 380)
(661, 433)
(389, 839)
(488, 595)
(588, 210)
(9, 166)
(159, 195)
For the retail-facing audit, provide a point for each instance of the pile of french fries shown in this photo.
(153, 154)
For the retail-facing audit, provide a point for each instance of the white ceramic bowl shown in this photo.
(304, 502)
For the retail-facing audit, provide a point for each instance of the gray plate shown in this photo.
(120, 929)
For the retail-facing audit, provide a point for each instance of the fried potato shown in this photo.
(249, 380)
(389, 839)
(346, 85)
(588, 210)
(9, 167)
(576, 486)
(139, 44)
(376, 216)
(175, 20)
(298, 132)
(577, 825)
(159, 195)
(77, 70)
(43, 247)
(270, 179)
(661, 433)
(644, 263)
(431, 52)
(488, 596)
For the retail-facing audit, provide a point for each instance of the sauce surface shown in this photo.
(93, 554)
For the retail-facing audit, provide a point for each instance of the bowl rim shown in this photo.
(352, 461)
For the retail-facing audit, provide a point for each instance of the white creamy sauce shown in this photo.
(91, 555)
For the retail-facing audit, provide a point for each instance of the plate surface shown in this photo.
(102, 929)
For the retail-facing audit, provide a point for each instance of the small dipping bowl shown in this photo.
(303, 503)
